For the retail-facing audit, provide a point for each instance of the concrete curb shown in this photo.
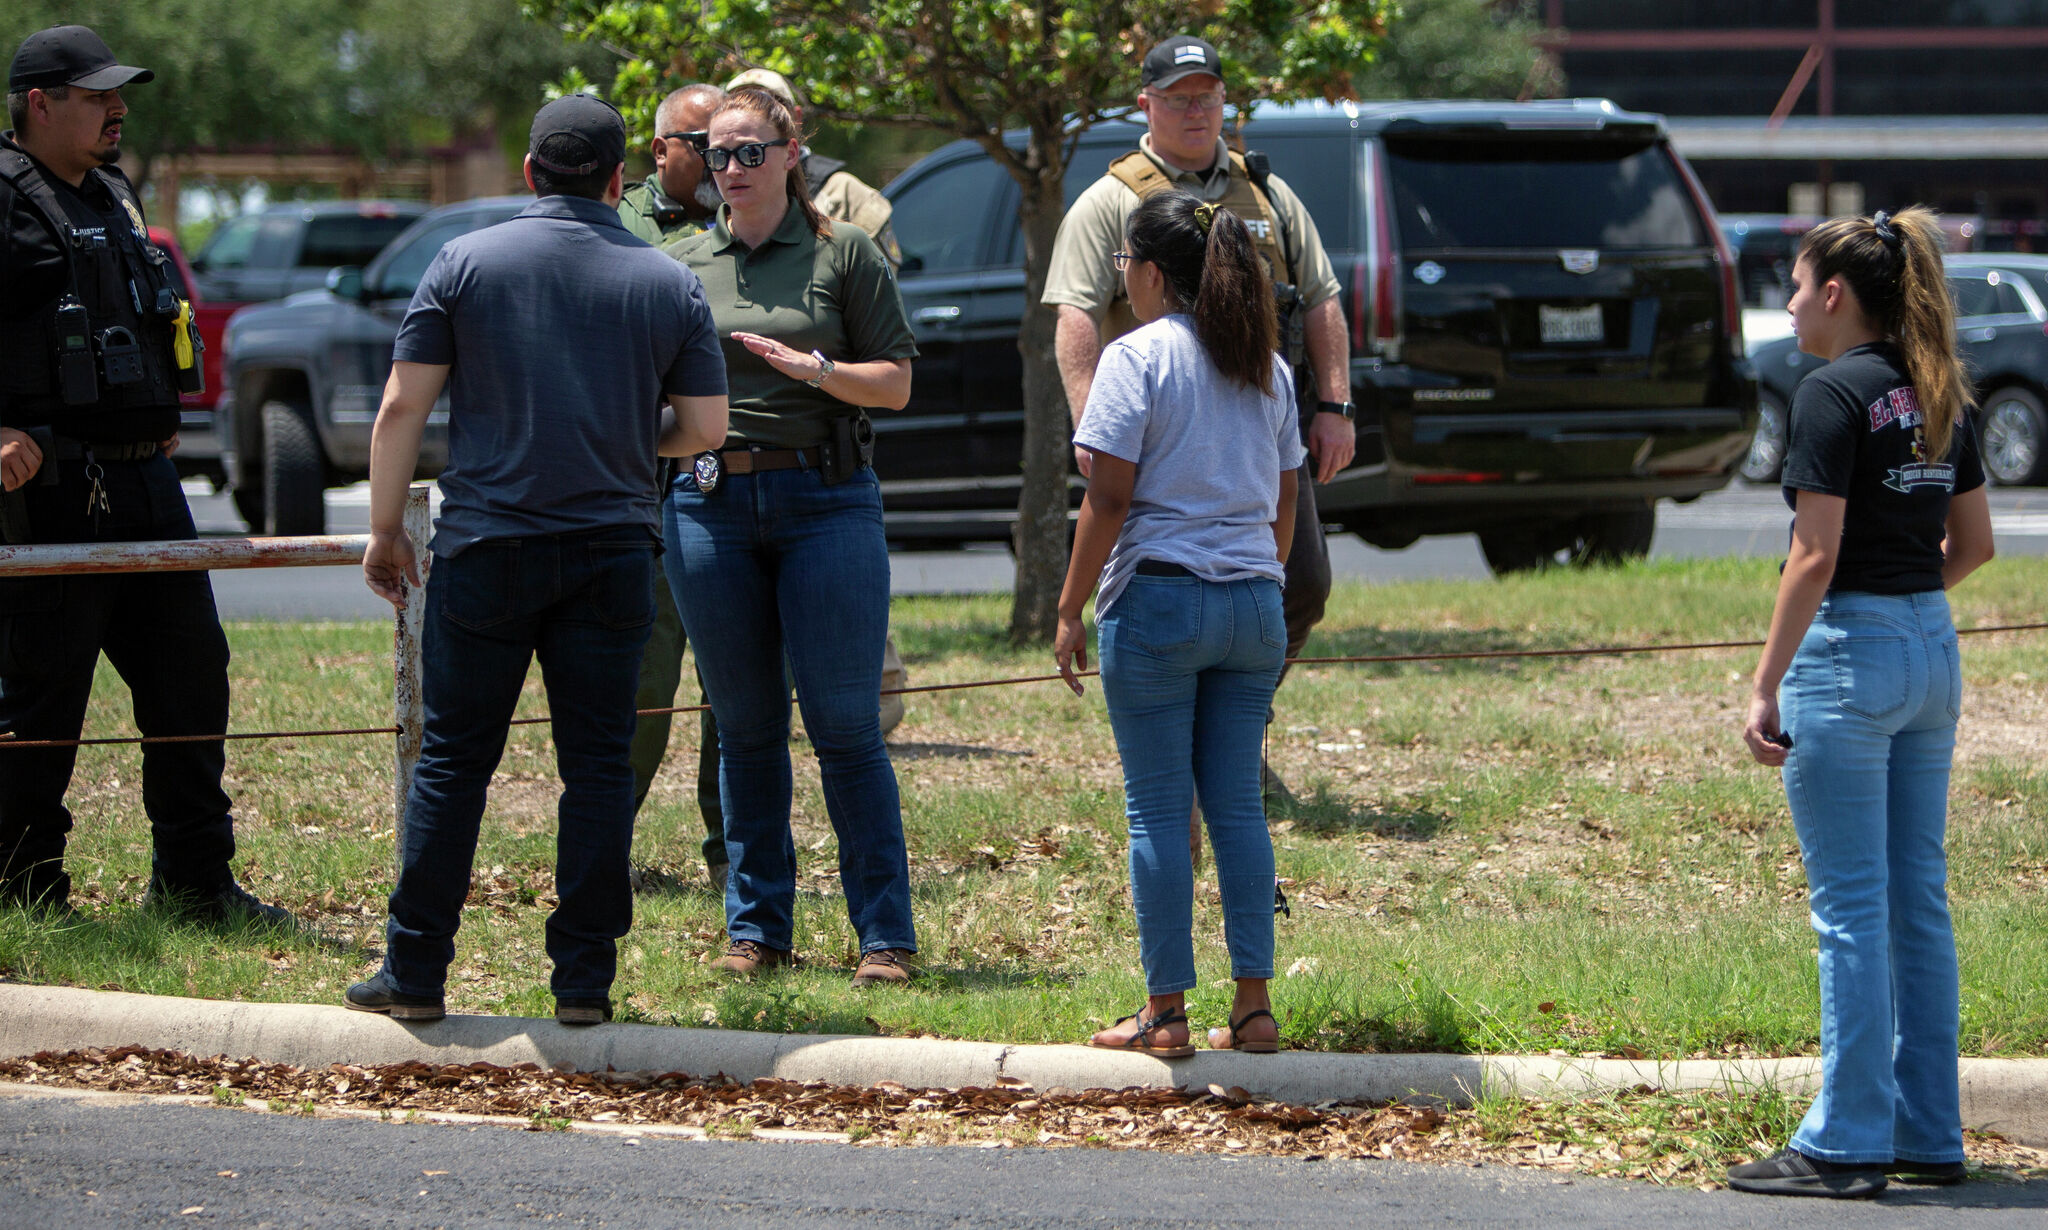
(2009, 1096)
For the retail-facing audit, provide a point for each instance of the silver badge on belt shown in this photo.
(709, 471)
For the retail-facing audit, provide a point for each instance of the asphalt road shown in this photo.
(1743, 520)
(132, 1162)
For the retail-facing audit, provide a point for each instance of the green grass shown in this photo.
(1488, 855)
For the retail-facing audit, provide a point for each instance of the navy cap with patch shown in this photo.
(594, 123)
(69, 55)
(1183, 55)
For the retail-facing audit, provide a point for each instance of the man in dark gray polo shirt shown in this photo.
(558, 336)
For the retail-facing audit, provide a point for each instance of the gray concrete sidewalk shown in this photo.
(2009, 1096)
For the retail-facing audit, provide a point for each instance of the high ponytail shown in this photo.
(1218, 276)
(1893, 263)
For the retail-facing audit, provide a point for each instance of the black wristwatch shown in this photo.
(1345, 408)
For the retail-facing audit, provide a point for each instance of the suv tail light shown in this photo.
(1376, 285)
(1731, 293)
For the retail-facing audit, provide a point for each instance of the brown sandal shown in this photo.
(1251, 1048)
(1137, 1043)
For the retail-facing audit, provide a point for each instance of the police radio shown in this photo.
(77, 380)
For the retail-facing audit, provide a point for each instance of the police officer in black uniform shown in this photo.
(95, 344)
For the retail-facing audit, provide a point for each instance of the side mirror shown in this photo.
(346, 281)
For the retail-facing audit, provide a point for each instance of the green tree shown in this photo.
(378, 77)
(973, 69)
(1463, 49)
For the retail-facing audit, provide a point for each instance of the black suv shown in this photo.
(1543, 318)
(2002, 331)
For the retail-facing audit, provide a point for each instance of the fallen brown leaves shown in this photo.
(1565, 1137)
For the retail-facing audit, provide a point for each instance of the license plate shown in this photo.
(1577, 324)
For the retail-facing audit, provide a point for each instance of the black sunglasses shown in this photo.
(752, 154)
(695, 140)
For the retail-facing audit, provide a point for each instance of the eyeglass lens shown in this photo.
(752, 154)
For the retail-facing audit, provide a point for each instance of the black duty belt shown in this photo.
(756, 460)
(69, 449)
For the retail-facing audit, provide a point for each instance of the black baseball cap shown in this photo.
(589, 119)
(1183, 55)
(69, 55)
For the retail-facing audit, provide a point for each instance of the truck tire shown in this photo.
(249, 503)
(2013, 447)
(1608, 537)
(294, 497)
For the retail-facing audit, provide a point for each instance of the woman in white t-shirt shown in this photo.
(1190, 510)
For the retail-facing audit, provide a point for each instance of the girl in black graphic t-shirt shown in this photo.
(1889, 511)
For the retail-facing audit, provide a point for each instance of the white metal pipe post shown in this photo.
(408, 707)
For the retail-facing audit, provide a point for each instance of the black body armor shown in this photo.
(108, 342)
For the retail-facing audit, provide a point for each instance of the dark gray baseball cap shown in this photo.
(70, 55)
(1183, 55)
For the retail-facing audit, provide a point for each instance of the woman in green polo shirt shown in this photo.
(775, 543)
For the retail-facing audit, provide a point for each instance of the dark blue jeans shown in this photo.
(161, 633)
(582, 603)
(782, 563)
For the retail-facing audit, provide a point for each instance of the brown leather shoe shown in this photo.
(752, 957)
(883, 965)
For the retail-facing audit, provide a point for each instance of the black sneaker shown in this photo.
(582, 1011)
(1927, 1174)
(230, 903)
(1791, 1173)
(378, 995)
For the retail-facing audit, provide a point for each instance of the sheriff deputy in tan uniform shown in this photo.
(1181, 93)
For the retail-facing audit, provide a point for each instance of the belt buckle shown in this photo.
(709, 471)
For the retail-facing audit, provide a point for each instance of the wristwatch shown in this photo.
(1345, 408)
(825, 368)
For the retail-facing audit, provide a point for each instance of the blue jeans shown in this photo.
(582, 603)
(1871, 702)
(1188, 671)
(782, 566)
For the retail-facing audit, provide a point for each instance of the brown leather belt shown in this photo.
(755, 460)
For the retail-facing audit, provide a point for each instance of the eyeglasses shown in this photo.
(1207, 100)
(1122, 260)
(695, 140)
(752, 154)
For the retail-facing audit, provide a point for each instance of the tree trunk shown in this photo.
(1040, 536)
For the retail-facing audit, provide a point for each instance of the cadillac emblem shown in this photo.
(709, 471)
(1579, 260)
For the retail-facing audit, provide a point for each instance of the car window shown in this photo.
(257, 242)
(941, 218)
(1974, 294)
(400, 276)
(347, 239)
(1319, 170)
(1525, 194)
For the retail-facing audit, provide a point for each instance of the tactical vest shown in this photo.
(1141, 175)
(123, 281)
(818, 169)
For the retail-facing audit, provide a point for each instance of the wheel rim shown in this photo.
(2012, 441)
(1767, 447)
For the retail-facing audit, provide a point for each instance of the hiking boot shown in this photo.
(377, 994)
(582, 1011)
(752, 957)
(883, 966)
(1927, 1174)
(1791, 1173)
(230, 903)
